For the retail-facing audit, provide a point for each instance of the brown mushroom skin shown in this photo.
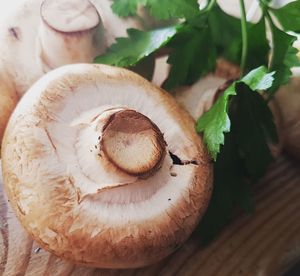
(8, 101)
(49, 214)
(287, 98)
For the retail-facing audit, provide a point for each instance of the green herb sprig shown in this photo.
(239, 127)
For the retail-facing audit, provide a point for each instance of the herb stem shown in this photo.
(209, 6)
(244, 36)
(271, 24)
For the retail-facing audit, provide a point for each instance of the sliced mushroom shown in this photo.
(103, 168)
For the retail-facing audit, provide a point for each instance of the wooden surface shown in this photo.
(266, 243)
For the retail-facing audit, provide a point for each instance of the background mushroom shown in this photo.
(288, 100)
(103, 168)
(40, 35)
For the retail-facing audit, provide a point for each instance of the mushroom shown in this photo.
(40, 35)
(103, 168)
(288, 100)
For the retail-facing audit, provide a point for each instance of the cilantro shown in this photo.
(288, 16)
(216, 121)
(129, 51)
(160, 9)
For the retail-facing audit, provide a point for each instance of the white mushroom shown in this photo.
(288, 99)
(103, 168)
(199, 97)
(40, 35)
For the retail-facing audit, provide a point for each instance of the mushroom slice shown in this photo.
(103, 168)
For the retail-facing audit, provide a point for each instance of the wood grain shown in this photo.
(265, 243)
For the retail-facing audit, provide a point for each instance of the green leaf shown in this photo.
(284, 57)
(230, 191)
(192, 56)
(215, 122)
(226, 34)
(258, 45)
(160, 9)
(167, 9)
(138, 45)
(125, 7)
(243, 159)
(259, 78)
(288, 16)
(254, 129)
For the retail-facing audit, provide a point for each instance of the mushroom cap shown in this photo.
(72, 199)
(69, 16)
(288, 100)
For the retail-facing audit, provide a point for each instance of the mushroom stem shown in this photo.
(133, 143)
(70, 30)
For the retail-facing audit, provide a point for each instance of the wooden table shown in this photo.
(266, 243)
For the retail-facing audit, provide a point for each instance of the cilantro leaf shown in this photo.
(192, 56)
(284, 57)
(216, 121)
(160, 9)
(288, 16)
(138, 45)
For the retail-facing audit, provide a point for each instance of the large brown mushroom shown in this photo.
(103, 168)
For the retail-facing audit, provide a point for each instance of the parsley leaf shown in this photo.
(125, 7)
(230, 190)
(259, 78)
(237, 166)
(226, 33)
(257, 133)
(229, 40)
(258, 45)
(138, 45)
(284, 57)
(160, 9)
(188, 44)
(288, 16)
(216, 121)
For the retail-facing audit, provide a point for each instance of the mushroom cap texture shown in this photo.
(77, 207)
(288, 100)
